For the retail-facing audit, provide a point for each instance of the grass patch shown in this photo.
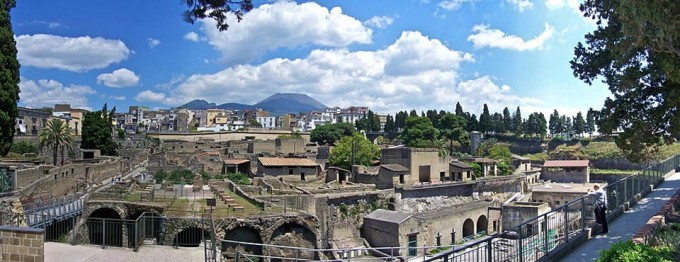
(598, 171)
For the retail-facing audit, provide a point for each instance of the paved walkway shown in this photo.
(626, 225)
(58, 252)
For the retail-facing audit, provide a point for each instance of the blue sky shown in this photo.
(386, 54)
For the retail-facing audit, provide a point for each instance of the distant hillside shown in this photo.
(282, 103)
(198, 105)
(277, 104)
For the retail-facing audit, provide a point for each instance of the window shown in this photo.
(290, 171)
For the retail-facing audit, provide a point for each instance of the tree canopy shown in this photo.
(329, 134)
(635, 51)
(9, 78)
(217, 10)
(98, 131)
(56, 134)
(364, 152)
(419, 132)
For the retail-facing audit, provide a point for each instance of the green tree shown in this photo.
(217, 10)
(579, 124)
(9, 78)
(485, 120)
(389, 124)
(419, 132)
(56, 135)
(554, 123)
(97, 134)
(452, 128)
(365, 152)
(636, 54)
(329, 134)
(501, 152)
(121, 133)
(363, 124)
(590, 121)
(507, 119)
(517, 121)
(459, 109)
(400, 119)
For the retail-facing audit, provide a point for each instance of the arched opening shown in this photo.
(105, 227)
(293, 234)
(190, 237)
(58, 230)
(245, 235)
(145, 225)
(482, 224)
(468, 228)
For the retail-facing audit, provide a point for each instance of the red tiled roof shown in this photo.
(282, 161)
(233, 161)
(566, 163)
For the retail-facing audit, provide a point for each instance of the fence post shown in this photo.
(545, 234)
(566, 223)
(521, 245)
(489, 253)
(103, 233)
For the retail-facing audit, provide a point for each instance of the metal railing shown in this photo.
(537, 237)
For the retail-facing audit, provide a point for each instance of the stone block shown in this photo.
(28, 259)
(36, 243)
(15, 257)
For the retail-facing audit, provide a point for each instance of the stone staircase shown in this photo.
(225, 197)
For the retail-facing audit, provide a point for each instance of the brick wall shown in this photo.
(22, 244)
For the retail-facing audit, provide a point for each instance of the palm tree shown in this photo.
(56, 134)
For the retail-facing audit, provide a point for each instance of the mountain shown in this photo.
(198, 105)
(277, 104)
(282, 103)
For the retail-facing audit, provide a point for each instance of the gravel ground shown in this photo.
(58, 252)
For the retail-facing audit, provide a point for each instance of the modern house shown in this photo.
(566, 171)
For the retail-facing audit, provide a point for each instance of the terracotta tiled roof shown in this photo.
(282, 161)
(459, 164)
(566, 163)
(233, 161)
(395, 167)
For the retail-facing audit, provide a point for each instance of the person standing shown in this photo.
(600, 207)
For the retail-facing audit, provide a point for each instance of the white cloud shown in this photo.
(119, 78)
(76, 54)
(556, 4)
(153, 42)
(521, 5)
(119, 98)
(151, 96)
(174, 80)
(288, 25)
(379, 21)
(451, 5)
(46, 93)
(488, 37)
(414, 72)
(192, 36)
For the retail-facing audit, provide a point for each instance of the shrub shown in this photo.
(631, 252)
(24, 147)
(238, 178)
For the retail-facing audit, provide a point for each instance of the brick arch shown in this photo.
(242, 231)
(91, 208)
(173, 227)
(270, 227)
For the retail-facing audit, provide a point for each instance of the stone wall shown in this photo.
(12, 212)
(615, 163)
(565, 177)
(21, 244)
(499, 184)
(59, 181)
(447, 189)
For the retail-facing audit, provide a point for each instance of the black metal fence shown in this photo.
(535, 238)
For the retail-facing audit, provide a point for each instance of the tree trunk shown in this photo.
(54, 153)
(62, 155)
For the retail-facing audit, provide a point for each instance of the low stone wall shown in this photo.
(61, 180)
(649, 230)
(22, 244)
